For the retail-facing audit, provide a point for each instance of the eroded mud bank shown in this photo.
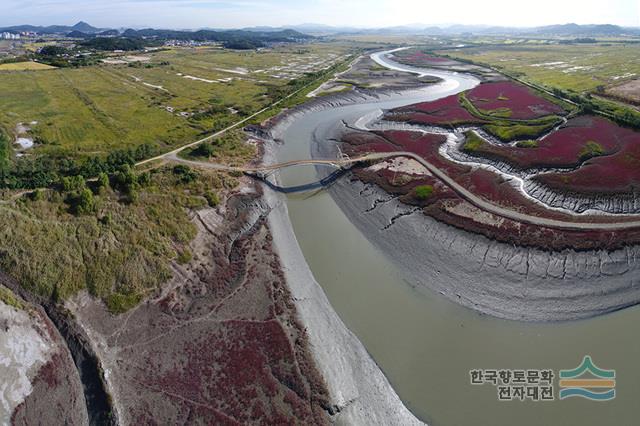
(494, 278)
(504, 280)
(358, 389)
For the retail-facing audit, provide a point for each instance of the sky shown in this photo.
(360, 13)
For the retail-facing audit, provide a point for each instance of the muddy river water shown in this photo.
(426, 344)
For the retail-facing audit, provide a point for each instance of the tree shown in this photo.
(73, 183)
(82, 202)
(53, 51)
(185, 174)
(203, 150)
(103, 180)
(125, 179)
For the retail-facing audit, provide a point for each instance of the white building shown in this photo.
(10, 36)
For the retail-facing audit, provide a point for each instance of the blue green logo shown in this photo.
(595, 384)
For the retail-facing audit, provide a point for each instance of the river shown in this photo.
(426, 344)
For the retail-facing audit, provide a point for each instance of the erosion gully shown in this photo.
(97, 398)
(426, 344)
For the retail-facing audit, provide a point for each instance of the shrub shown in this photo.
(184, 256)
(591, 149)
(73, 183)
(212, 198)
(203, 150)
(82, 202)
(422, 192)
(184, 173)
(8, 298)
(131, 196)
(144, 179)
(36, 195)
(119, 303)
(103, 180)
(472, 142)
(107, 219)
(5, 155)
(527, 144)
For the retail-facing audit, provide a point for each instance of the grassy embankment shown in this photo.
(304, 86)
(114, 237)
(422, 192)
(473, 142)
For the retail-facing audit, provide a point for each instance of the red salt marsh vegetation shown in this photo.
(619, 174)
(608, 156)
(499, 104)
(482, 182)
(445, 111)
(580, 140)
(223, 345)
(448, 206)
(511, 100)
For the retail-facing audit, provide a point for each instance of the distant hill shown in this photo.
(569, 30)
(118, 43)
(54, 29)
(263, 34)
(255, 38)
(85, 28)
(109, 33)
(130, 39)
(583, 30)
(78, 34)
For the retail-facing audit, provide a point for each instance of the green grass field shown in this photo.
(578, 67)
(94, 110)
(25, 66)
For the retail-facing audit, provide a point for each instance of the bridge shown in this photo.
(343, 162)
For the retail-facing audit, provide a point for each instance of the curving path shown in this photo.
(459, 189)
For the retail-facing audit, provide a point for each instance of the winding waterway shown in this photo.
(426, 344)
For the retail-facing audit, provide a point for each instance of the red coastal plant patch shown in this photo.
(578, 141)
(617, 172)
(420, 58)
(445, 111)
(522, 103)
